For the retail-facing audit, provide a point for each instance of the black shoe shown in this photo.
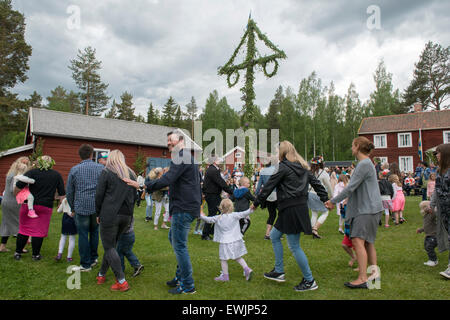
(316, 235)
(173, 283)
(206, 238)
(36, 257)
(266, 237)
(17, 256)
(306, 285)
(179, 290)
(275, 276)
(356, 286)
(138, 270)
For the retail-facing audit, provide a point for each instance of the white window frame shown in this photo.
(383, 159)
(375, 140)
(97, 151)
(238, 155)
(404, 134)
(401, 165)
(446, 134)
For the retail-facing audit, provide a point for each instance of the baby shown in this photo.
(25, 194)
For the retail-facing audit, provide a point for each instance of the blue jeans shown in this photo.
(125, 249)
(294, 245)
(87, 228)
(149, 208)
(178, 236)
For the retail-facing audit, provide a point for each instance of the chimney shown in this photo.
(418, 107)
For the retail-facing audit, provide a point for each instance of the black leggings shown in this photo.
(5, 240)
(272, 208)
(36, 244)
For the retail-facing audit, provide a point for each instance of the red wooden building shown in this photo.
(235, 158)
(62, 133)
(396, 137)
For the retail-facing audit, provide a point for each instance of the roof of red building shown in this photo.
(406, 122)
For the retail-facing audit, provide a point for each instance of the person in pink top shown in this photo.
(398, 201)
(431, 184)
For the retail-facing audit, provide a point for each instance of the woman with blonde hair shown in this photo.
(291, 180)
(10, 207)
(114, 202)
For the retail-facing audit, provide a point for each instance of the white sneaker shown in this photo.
(431, 263)
(82, 269)
(446, 273)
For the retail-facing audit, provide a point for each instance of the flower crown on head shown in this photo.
(317, 160)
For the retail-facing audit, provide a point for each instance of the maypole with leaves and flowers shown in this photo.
(253, 60)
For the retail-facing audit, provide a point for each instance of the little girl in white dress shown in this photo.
(227, 232)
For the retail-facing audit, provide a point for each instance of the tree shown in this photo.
(191, 111)
(431, 79)
(35, 100)
(168, 112)
(57, 100)
(112, 113)
(85, 71)
(273, 114)
(383, 101)
(125, 110)
(178, 120)
(14, 51)
(152, 115)
(353, 112)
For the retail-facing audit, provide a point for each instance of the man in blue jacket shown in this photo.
(185, 197)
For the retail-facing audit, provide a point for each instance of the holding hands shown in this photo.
(329, 205)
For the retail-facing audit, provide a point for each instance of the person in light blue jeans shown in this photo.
(178, 237)
(125, 249)
(293, 241)
(149, 208)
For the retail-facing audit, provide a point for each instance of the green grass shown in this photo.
(399, 249)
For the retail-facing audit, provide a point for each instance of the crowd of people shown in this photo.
(100, 197)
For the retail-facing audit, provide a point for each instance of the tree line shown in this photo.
(313, 116)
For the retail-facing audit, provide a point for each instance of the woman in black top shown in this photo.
(47, 183)
(291, 181)
(114, 202)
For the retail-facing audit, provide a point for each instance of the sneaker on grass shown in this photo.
(275, 276)
(446, 273)
(179, 290)
(306, 285)
(431, 263)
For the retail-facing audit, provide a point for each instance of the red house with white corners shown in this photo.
(396, 137)
(63, 133)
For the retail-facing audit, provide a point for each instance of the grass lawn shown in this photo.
(400, 257)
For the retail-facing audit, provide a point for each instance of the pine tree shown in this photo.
(168, 112)
(431, 82)
(14, 51)
(125, 109)
(178, 120)
(58, 100)
(35, 100)
(152, 115)
(191, 111)
(85, 71)
(112, 113)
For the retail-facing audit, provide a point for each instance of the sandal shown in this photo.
(5, 250)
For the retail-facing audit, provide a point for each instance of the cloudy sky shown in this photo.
(160, 48)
